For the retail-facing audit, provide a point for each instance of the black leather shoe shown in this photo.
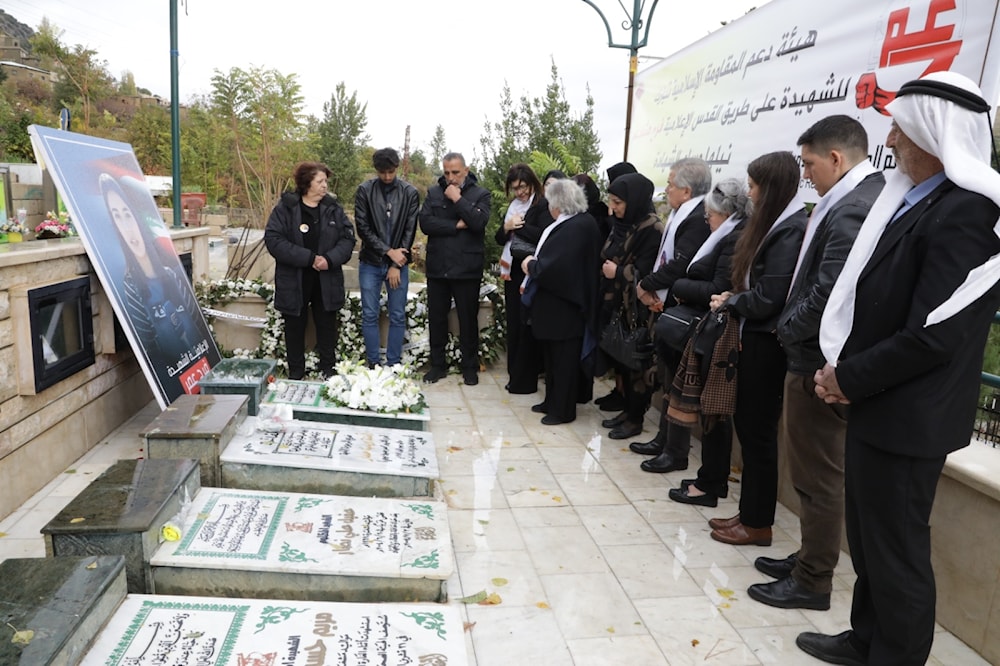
(831, 649)
(540, 408)
(681, 495)
(776, 568)
(434, 374)
(612, 402)
(549, 419)
(471, 377)
(653, 447)
(788, 593)
(626, 430)
(686, 483)
(614, 421)
(664, 463)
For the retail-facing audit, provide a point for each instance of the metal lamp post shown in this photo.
(634, 24)
(175, 119)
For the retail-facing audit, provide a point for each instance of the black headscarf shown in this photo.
(637, 192)
(620, 169)
(554, 173)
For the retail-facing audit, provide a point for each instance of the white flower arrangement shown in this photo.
(12, 226)
(416, 351)
(381, 389)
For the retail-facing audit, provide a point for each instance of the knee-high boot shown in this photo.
(674, 456)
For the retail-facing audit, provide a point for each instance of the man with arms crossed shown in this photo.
(903, 334)
(835, 160)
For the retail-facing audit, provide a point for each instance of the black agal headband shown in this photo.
(960, 96)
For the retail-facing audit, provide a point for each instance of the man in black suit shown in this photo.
(835, 160)
(904, 332)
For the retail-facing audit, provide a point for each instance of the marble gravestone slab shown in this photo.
(267, 545)
(56, 605)
(197, 426)
(239, 376)
(306, 402)
(199, 631)
(303, 456)
(121, 513)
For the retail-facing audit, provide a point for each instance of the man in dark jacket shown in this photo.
(835, 157)
(385, 212)
(903, 333)
(454, 217)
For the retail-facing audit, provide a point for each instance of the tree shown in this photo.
(85, 79)
(541, 132)
(439, 146)
(340, 138)
(149, 134)
(262, 111)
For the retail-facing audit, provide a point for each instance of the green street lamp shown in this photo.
(634, 24)
(175, 118)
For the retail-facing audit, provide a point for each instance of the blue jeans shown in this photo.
(370, 279)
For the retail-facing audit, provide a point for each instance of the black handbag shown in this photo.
(631, 347)
(675, 325)
(520, 248)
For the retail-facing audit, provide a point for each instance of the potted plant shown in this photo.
(55, 226)
(12, 231)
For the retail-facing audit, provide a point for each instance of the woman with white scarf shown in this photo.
(763, 264)
(526, 218)
(710, 272)
(563, 292)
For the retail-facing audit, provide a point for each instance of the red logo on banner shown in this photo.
(191, 376)
(933, 43)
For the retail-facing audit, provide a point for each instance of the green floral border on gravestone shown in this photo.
(215, 293)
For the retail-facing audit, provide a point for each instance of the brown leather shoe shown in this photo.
(741, 535)
(721, 523)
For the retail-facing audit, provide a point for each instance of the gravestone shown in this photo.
(305, 401)
(266, 545)
(303, 457)
(157, 630)
(51, 608)
(240, 376)
(197, 426)
(122, 512)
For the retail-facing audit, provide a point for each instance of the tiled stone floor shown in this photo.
(592, 563)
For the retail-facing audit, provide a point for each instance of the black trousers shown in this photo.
(524, 353)
(888, 508)
(327, 323)
(760, 384)
(562, 377)
(440, 293)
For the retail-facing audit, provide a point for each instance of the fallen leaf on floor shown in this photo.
(533, 489)
(695, 642)
(70, 471)
(499, 582)
(725, 592)
(556, 498)
(542, 605)
(483, 522)
(452, 492)
(467, 626)
(511, 469)
(77, 520)
(474, 598)
(455, 449)
(2, 534)
(610, 630)
(92, 565)
(492, 599)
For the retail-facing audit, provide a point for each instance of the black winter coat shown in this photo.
(770, 276)
(372, 212)
(711, 274)
(691, 233)
(453, 253)
(284, 242)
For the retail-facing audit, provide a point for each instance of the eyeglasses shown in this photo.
(523, 187)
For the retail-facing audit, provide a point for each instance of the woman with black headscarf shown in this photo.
(629, 254)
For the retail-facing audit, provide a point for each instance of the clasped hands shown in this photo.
(827, 386)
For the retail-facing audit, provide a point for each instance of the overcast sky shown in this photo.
(414, 63)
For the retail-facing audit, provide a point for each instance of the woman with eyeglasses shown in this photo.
(763, 263)
(525, 220)
(710, 272)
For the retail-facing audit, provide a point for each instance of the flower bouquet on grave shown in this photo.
(12, 231)
(55, 226)
(383, 389)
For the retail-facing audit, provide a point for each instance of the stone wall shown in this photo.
(43, 434)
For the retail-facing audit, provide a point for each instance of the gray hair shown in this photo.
(567, 196)
(453, 156)
(729, 197)
(692, 172)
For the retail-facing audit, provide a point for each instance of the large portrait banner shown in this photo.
(132, 253)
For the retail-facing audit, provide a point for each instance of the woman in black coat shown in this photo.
(526, 219)
(629, 254)
(311, 239)
(710, 272)
(561, 298)
(762, 273)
